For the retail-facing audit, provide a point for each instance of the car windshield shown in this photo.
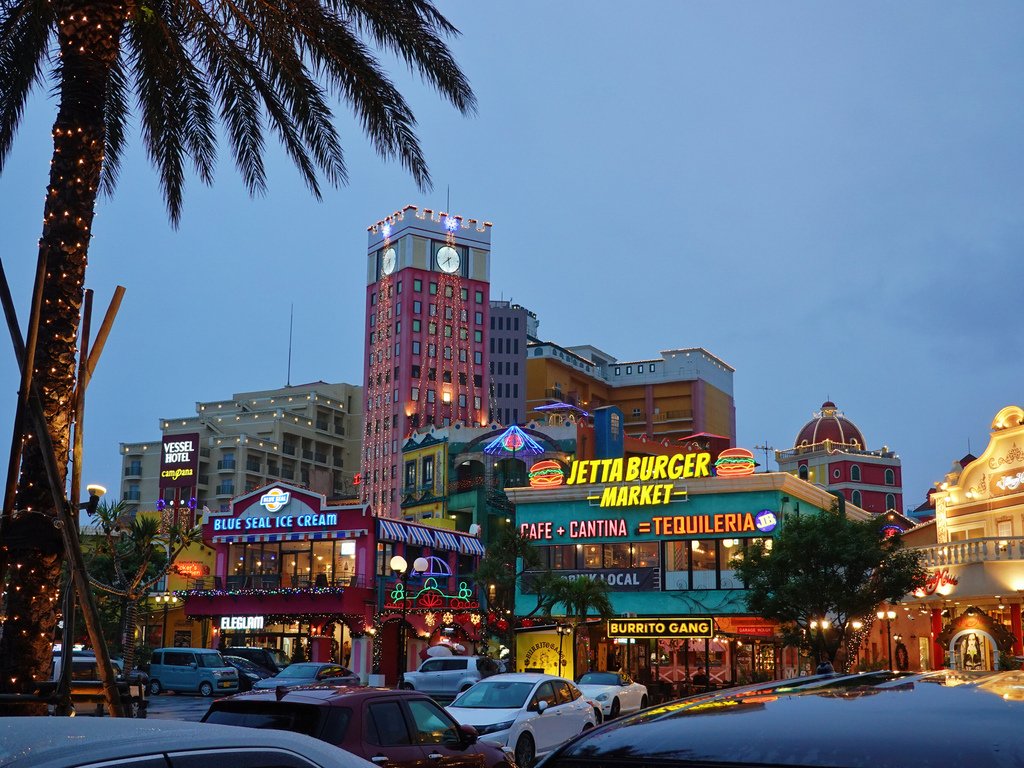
(210, 660)
(496, 694)
(299, 670)
(598, 678)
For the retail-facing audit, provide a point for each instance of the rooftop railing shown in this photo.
(992, 549)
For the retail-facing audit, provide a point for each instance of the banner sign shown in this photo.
(671, 627)
(179, 461)
(540, 652)
(617, 579)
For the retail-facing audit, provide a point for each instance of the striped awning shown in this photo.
(302, 536)
(469, 545)
(424, 536)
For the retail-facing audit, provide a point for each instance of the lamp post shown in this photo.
(166, 598)
(401, 567)
(888, 615)
(563, 630)
(819, 625)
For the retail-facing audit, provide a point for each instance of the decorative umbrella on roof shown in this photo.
(515, 441)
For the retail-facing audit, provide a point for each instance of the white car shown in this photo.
(614, 691)
(529, 713)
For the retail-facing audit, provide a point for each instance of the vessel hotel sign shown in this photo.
(672, 627)
(639, 481)
(179, 461)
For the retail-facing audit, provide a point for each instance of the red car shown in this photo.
(393, 729)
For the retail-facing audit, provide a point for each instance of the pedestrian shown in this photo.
(825, 668)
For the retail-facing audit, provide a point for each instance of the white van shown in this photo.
(199, 670)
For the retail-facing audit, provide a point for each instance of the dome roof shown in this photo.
(830, 424)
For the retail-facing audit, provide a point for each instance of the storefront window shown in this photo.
(592, 556)
(384, 553)
(704, 564)
(677, 565)
(563, 557)
(323, 563)
(730, 549)
(616, 555)
(296, 566)
(645, 555)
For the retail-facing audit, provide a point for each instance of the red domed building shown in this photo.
(830, 450)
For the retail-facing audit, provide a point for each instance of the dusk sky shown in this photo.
(827, 196)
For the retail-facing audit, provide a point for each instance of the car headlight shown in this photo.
(602, 697)
(493, 727)
(220, 673)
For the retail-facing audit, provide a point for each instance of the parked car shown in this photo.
(309, 673)
(71, 742)
(616, 692)
(87, 694)
(449, 675)
(529, 712)
(270, 659)
(396, 729)
(201, 670)
(945, 718)
(248, 673)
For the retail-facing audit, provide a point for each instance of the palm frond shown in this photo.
(117, 110)
(25, 29)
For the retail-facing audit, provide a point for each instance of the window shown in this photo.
(464, 293)
(431, 725)
(415, 347)
(433, 310)
(447, 331)
(629, 369)
(856, 498)
(431, 396)
(416, 326)
(890, 501)
(617, 370)
(492, 322)
(476, 402)
(415, 393)
(447, 353)
(462, 355)
(479, 297)
(399, 286)
(478, 317)
(890, 477)
(386, 726)
(802, 471)
(428, 470)
(478, 358)
(410, 474)
(433, 288)
(432, 328)
(478, 335)
(855, 473)
(373, 298)
(417, 285)
(417, 307)
(545, 692)
(448, 291)
(650, 368)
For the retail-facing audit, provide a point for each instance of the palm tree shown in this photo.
(580, 597)
(138, 553)
(192, 66)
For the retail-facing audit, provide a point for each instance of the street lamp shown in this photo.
(888, 615)
(400, 566)
(166, 598)
(820, 625)
(563, 630)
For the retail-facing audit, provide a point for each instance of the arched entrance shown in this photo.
(973, 650)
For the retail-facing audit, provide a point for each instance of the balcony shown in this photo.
(674, 415)
(133, 494)
(969, 551)
(277, 581)
(308, 455)
(226, 465)
(252, 466)
(133, 470)
(225, 490)
(635, 418)
(321, 424)
(320, 458)
(288, 450)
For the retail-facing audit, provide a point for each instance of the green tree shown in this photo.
(133, 555)
(579, 597)
(507, 559)
(193, 67)
(826, 567)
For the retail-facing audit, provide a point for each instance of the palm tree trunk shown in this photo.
(89, 35)
(131, 617)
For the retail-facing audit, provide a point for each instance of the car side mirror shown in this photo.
(192, 664)
(469, 734)
(541, 707)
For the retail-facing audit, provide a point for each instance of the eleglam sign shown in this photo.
(241, 622)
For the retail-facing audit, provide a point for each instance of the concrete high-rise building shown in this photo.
(510, 328)
(307, 434)
(830, 450)
(427, 315)
(682, 392)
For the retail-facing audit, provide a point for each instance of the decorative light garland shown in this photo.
(260, 592)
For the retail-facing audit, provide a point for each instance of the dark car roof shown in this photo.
(932, 719)
(321, 695)
(56, 742)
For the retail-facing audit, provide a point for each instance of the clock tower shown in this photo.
(426, 358)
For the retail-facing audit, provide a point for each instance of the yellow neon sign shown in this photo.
(640, 469)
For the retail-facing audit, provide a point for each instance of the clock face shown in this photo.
(387, 261)
(448, 259)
